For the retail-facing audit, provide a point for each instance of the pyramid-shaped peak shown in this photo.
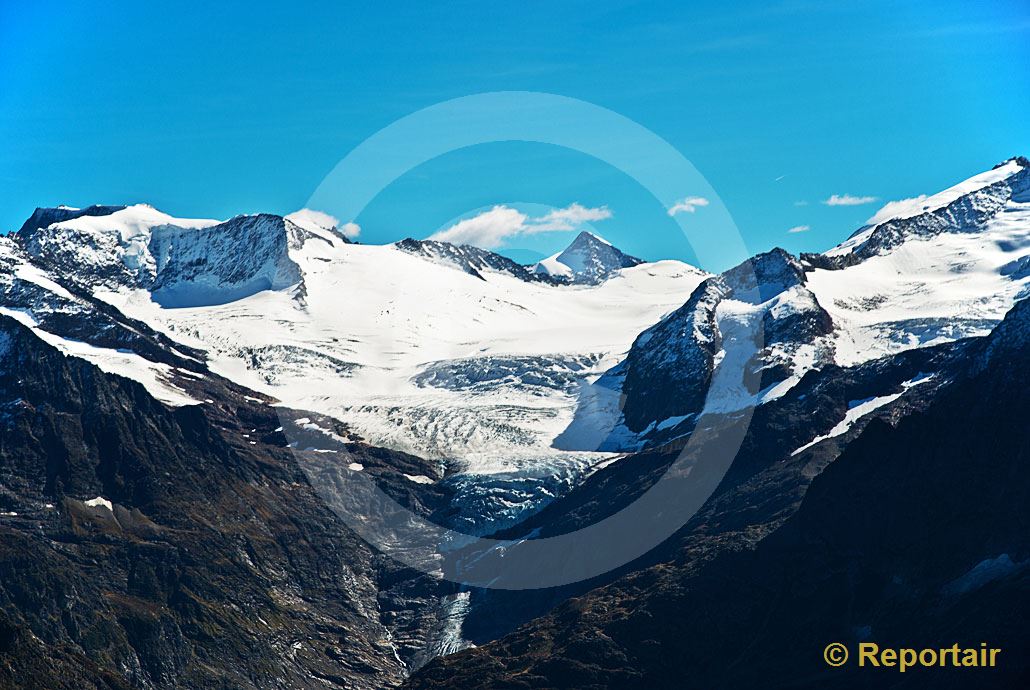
(588, 259)
(588, 238)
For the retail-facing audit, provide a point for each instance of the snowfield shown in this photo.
(928, 290)
(367, 336)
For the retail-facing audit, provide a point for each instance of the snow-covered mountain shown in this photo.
(79, 325)
(181, 262)
(589, 259)
(100, 245)
(443, 350)
(951, 270)
(460, 354)
(946, 270)
(519, 380)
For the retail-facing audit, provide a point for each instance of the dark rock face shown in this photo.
(180, 266)
(668, 371)
(223, 263)
(914, 536)
(216, 564)
(830, 263)
(43, 218)
(764, 276)
(81, 256)
(677, 354)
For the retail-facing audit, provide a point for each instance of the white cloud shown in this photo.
(568, 218)
(307, 216)
(487, 230)
(801, 203)
(799, 228)
(312, 219)
(687, 205)
(849, 200)
(902, 208)
(350, 230)
(490, 229)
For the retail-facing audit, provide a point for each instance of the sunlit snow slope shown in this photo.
(460, 354)
(932, 270)
(923, 272)
(419, 355)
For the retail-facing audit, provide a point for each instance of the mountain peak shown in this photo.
(765, 275)
(588, 238)
(183, 262)
(1021, 161)
(967, 206)
(588, 259)
(44, 217)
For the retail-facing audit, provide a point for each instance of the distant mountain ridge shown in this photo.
(473, 260)
(528, 403)
(949, 271)
(852, 303)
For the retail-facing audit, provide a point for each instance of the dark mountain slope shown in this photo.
(216, 565)
(761, 489)
(915, 536)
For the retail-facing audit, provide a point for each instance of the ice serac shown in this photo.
(589, 259)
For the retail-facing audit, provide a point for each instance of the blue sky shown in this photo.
(213, 111)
